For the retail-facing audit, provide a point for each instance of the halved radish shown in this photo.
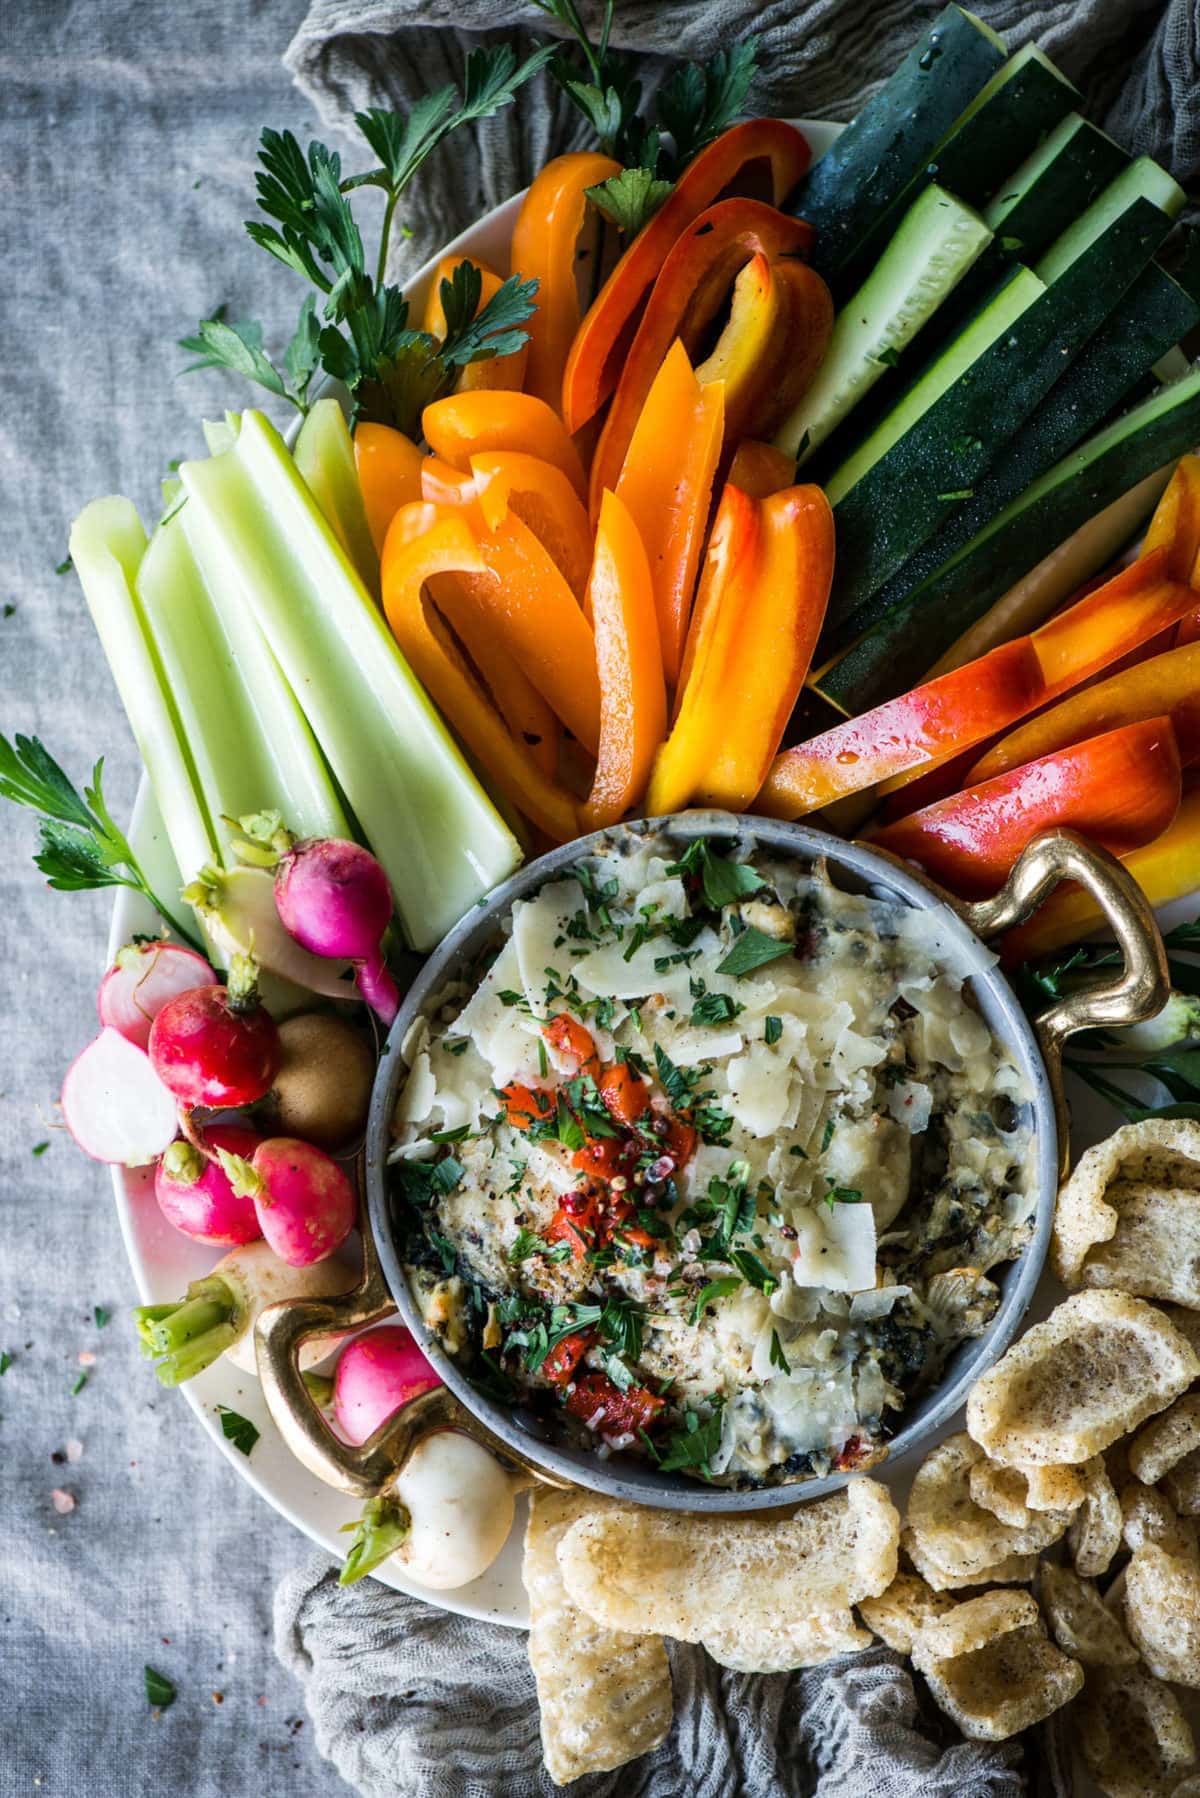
(237, 908)
(141, 980)
(115, 1105)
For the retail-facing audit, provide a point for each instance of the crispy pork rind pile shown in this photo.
(1094, 1370)
(1013, 1494)
(1095, 1533)
(992, 1668)
(952, 1540)
(906, 1607)
(1080, 1621)
(605, 1695)
(1162, 1612)
(760, 1595)
(1147, 1515)
(1129, 1216)
(1132, 1733)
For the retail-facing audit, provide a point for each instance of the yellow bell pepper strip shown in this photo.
(443, 485)
(462, 599)
(774, 340)
(633, 698)
(389, 473)
(1121, 789)
(469, 424)
(691, 290)
(1166, 869)
(726, 578)
(544, 243)
(728, 164)
(423, 543)
(666, 483)
(760, 469)
(1167, 685)
(773, 646)
(937, 720)
(506, 373)
(541, 495)
(1175, 525)
(1127, 611)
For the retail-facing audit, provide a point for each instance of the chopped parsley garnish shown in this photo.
(421, 1182)
(237, 1429)
(722, 882)
(716, 1289)
(463, 1130)
(79, 1384)
(841, 1195)
(6, 1361)
(827, 1134)
(101, 1315)
(39, 1149)
(455, 1045)
(543, 1062)
(753, 1271)
(778, 1358)
(528, 1243)
(753, 949)
(678, 1083)
(507, 997)
(772, 1030)
(621, 1326)
(715, 1008)
(694, 1444)
(159, 1689)
(618, 1373)
(713, 1124)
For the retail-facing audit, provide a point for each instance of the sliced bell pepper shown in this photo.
(1175, 525)
(389, 473)
(1166, 869)
(1128, 610)
(506, 373)
(773, 646)
(760, 469)
(773, 342)
(633, 699)
(544, 248)
(426, 541)
(624, 1092)
(691, 290)
(944, 716)
(1122, 789)
(444, 485)
(463, 600)
(1167, 685)
(470, 424)
(666, 482)
(732, 160)
(543, 498)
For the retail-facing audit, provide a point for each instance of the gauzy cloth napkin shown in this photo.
(409, 1699)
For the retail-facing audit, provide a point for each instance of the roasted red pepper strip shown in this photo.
(633, 699)
(577, 1222)
(543, 248)
(1122, 789)
(525, 1106)
(569, 1038)
(560, 1364)
(606, 332)
(624, 1093)
(612, 1413)
(691, 290)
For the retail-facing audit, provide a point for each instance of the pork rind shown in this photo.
(1165, 1440)
(1079, 1620)
(1013, 1570)
(1013, 1493)
(907, 1606)
(767, 1593)
(1162, 1612)
(1134, 1737)
(1147, 1515)
(1182, 1485)
(1095, 1533)
(992, 1668)
(1132, 1197)
(605, 1695)
(1054, 1488)
(1095, 1369)
(955, 1532)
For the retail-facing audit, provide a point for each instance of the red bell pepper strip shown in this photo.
(543, 248)
(470, 424)
(603, 338)
(633, 700)
(613, 1414)
(688, 296)
(666, 482)
(1121, 788)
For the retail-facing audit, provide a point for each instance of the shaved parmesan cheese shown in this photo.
(689, 1048)
(865, 1306)
(418, 1093)
(910, 1103)
(758, 1092)
(500, 1032)
(836, 1248)
(538, 926)
(941, 936)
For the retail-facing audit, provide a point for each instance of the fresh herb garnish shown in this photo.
(159, 1689)
(528, 1242)
(6, 1361)
(237, 1429)
(722, 881)
(715, 1008)
(678, 1083)
(841, 1195)
(772, 1030)
(753, 949)
(778, 1358)
(753, 1271)
(621, 1326)
(421, 1182)
(101, 1315)
(78, 1384)
(39, 1149)
(827, 1133)
(457, 1135)
(629, 199)
(716, 1289)
(694, 1444)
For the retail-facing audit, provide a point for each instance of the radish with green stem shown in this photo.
(144, 976)
(217, 1314)
(376, 1374)
(217, 1046)
(444, 1520)
(305, 1202)
(115, 1105)
(237, 908)
(334, 898)
(195, 1195)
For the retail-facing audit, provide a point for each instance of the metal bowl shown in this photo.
(518, 1434)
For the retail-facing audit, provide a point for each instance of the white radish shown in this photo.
(237, 909)
(115, 1105)
(217, 1314)
(444, 1521)
(142, 979)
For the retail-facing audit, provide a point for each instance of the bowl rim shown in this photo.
(619, 1477)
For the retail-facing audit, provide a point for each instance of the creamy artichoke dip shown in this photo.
(711, 1162)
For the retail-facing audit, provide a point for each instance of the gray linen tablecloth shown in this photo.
(127, 131)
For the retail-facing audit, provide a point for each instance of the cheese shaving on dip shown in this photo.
(711, 1161)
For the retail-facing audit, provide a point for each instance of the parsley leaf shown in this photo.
(677, 1083)
(722, 881)
(716, 1289)
(697, 102)
(237, 1429)
(715, 1008)
(39, 1149)
(101, 1316)
(6, 1361)
(694, 1444)
(159, 1689)
(629, 199)
(753, 1271)
(753, 949)
(778, 1358)
(772, 1030)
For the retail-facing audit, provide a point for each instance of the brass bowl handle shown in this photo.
(1138, 991)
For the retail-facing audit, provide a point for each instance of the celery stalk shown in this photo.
(250, 744)
(324, 454)
(440, 840)
(107, 545)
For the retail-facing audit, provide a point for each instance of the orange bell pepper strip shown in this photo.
(1122, 789)
(443, 485)
(774, 340)
(687, 298)
(544, 247)
(666, 483)
(1167, 685)
(1175, 525)
(494, 372)
(946, 715)
(389, 473)
(773, 645)
(603, 339)
(633, 698)
(462, 599)
(543, 498)
(1166, 869)
(470, 424)
(760, 469)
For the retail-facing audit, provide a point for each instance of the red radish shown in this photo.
(305, 1202)
(141, 981)
(195, 1194)
(217, 1314)
(376, 1374)
(334, 898)
(115, 1105)
(217, 1046)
